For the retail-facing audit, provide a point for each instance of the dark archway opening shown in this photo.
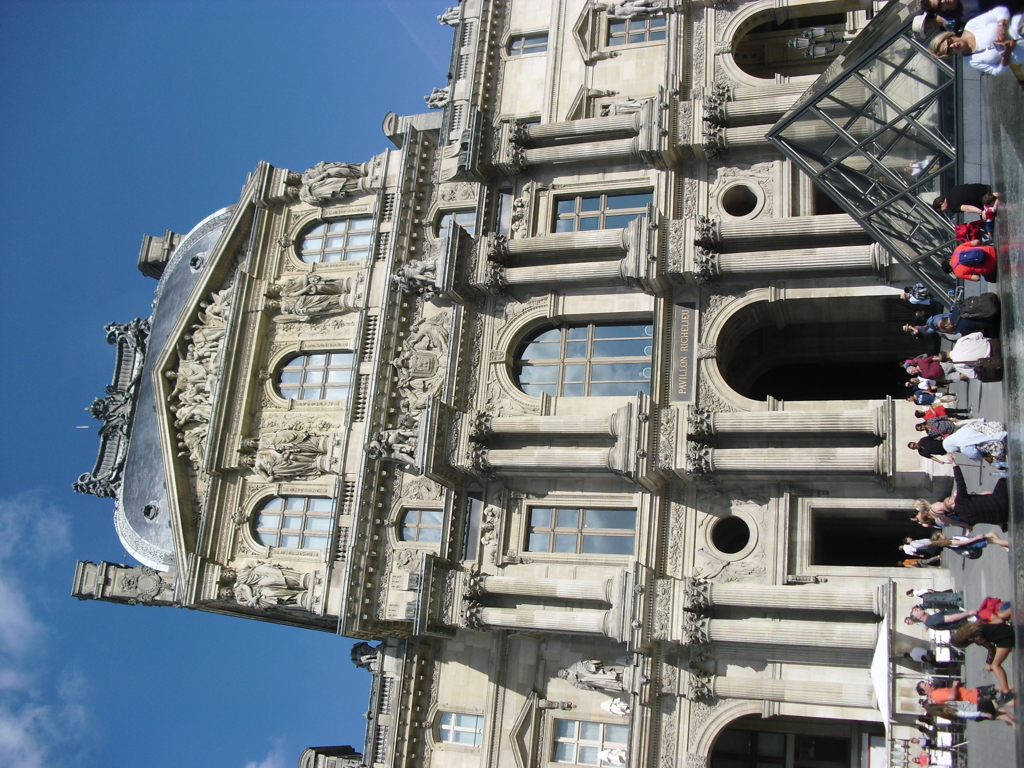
(831, 381)
(764, 52)
(868, 540)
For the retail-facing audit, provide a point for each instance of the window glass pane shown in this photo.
(315, 542)
(733, 741)
(359, 224)
(310, 394)
(431, 516)
(771, 744)
(587, 755)
(590, 731)
(656, 22)
(565, 225)
(566, 206)
(338, 226)
(572, 390)
(409, 533)
(539, 373)
(610, 518)
(539, 542)
(314, 377)
(622, 331)
(274, 503)
(268, 521)
(608, 545)
(295, 502)
(590, 223)
(291, 377)
(568, 518)
(466, 217)
(540, 516)
(629, 201)
(269, 539)
(292, 522)
(657, 36)
(616, 734)
(321, 505)
(335, 393)
(536, 390)
(318, 523)
(359, 239)
(617, 27)
(340, 377)
(590, 203)
(289, 393)
(319, 228)
(565, 753)
(356, 255)
(619, 222)
(465, 737)
(336, 242)
(622, 348)
(565, 729)
(541, 351)
(289, 540)
(312, 243)
(617, 371)
(430, 534)
(575, 372)
(447, 718)
(637, 38)
(577, 333)
(565, 543)
(316, 360)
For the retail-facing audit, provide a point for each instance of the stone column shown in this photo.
(604, 242)
(864, 461)
(552, 425)
(858, 693)
(795, 654)
(868, 422)
(587, 128)
(594, 151)
(580, 622)
(809, 633)
(703, 595)
(753, 135)
(525, 461)
(591, 272)
(853, 259)
(763, 109)
(598, 590)
(793, 231)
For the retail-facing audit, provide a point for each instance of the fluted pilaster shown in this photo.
(520, 461)
(857, 693)
(585, 622)
(796, 460)
(796, 422)
(810, 633)
(854, 259)
(554, 425)
(752, 234)
(607, 242)
(586, 152)
(603, 272)
(809, 597)
(598, 590)
(588, 127)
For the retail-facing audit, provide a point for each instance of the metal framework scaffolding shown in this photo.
(878, 132)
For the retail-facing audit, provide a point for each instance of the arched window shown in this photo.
(465, 219)
(338, 240)
(297, 522)
(421, 525)
(581, 741)
(592, 360)
(768, 49)
(317, 376)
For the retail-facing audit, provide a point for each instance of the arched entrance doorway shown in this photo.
(835, 348)
(794, 742)
(765, 49)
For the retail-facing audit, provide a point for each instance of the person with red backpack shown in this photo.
(972, 261)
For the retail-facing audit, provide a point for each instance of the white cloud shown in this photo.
(42, 707)
(274, 758)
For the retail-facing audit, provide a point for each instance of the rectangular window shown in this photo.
(521, 45)
(590, 212)
(456, 728)
(629, 31)
(577, 531)
(582, 742)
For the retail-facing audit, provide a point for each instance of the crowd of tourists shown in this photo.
(946, 701)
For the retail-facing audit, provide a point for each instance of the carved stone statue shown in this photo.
(438, 98)
(625, 107)
(594, 675)
(633, 9)
(309, 296)
(113, 410)
(612, 756)
(326, 182)
(366, 656)
(266, 586)
(416, 276)
(134, 333)
(289, 454)
(397, 444)
(450, 17)
(96, 486)
(619, 707)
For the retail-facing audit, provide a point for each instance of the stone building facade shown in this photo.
(576, 402)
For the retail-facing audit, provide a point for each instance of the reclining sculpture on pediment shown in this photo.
(398, 444)
(311, 296)
(595, 675)
(417, 276)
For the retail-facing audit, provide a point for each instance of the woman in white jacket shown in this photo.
(990, 42)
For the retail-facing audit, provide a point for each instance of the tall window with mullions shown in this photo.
(297, 522)
(590, 212)
(571, 530)
(642, 30)
(595, 360)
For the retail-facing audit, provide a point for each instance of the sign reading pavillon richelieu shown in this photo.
(684, 341)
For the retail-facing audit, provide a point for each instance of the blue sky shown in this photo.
(118, 119)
